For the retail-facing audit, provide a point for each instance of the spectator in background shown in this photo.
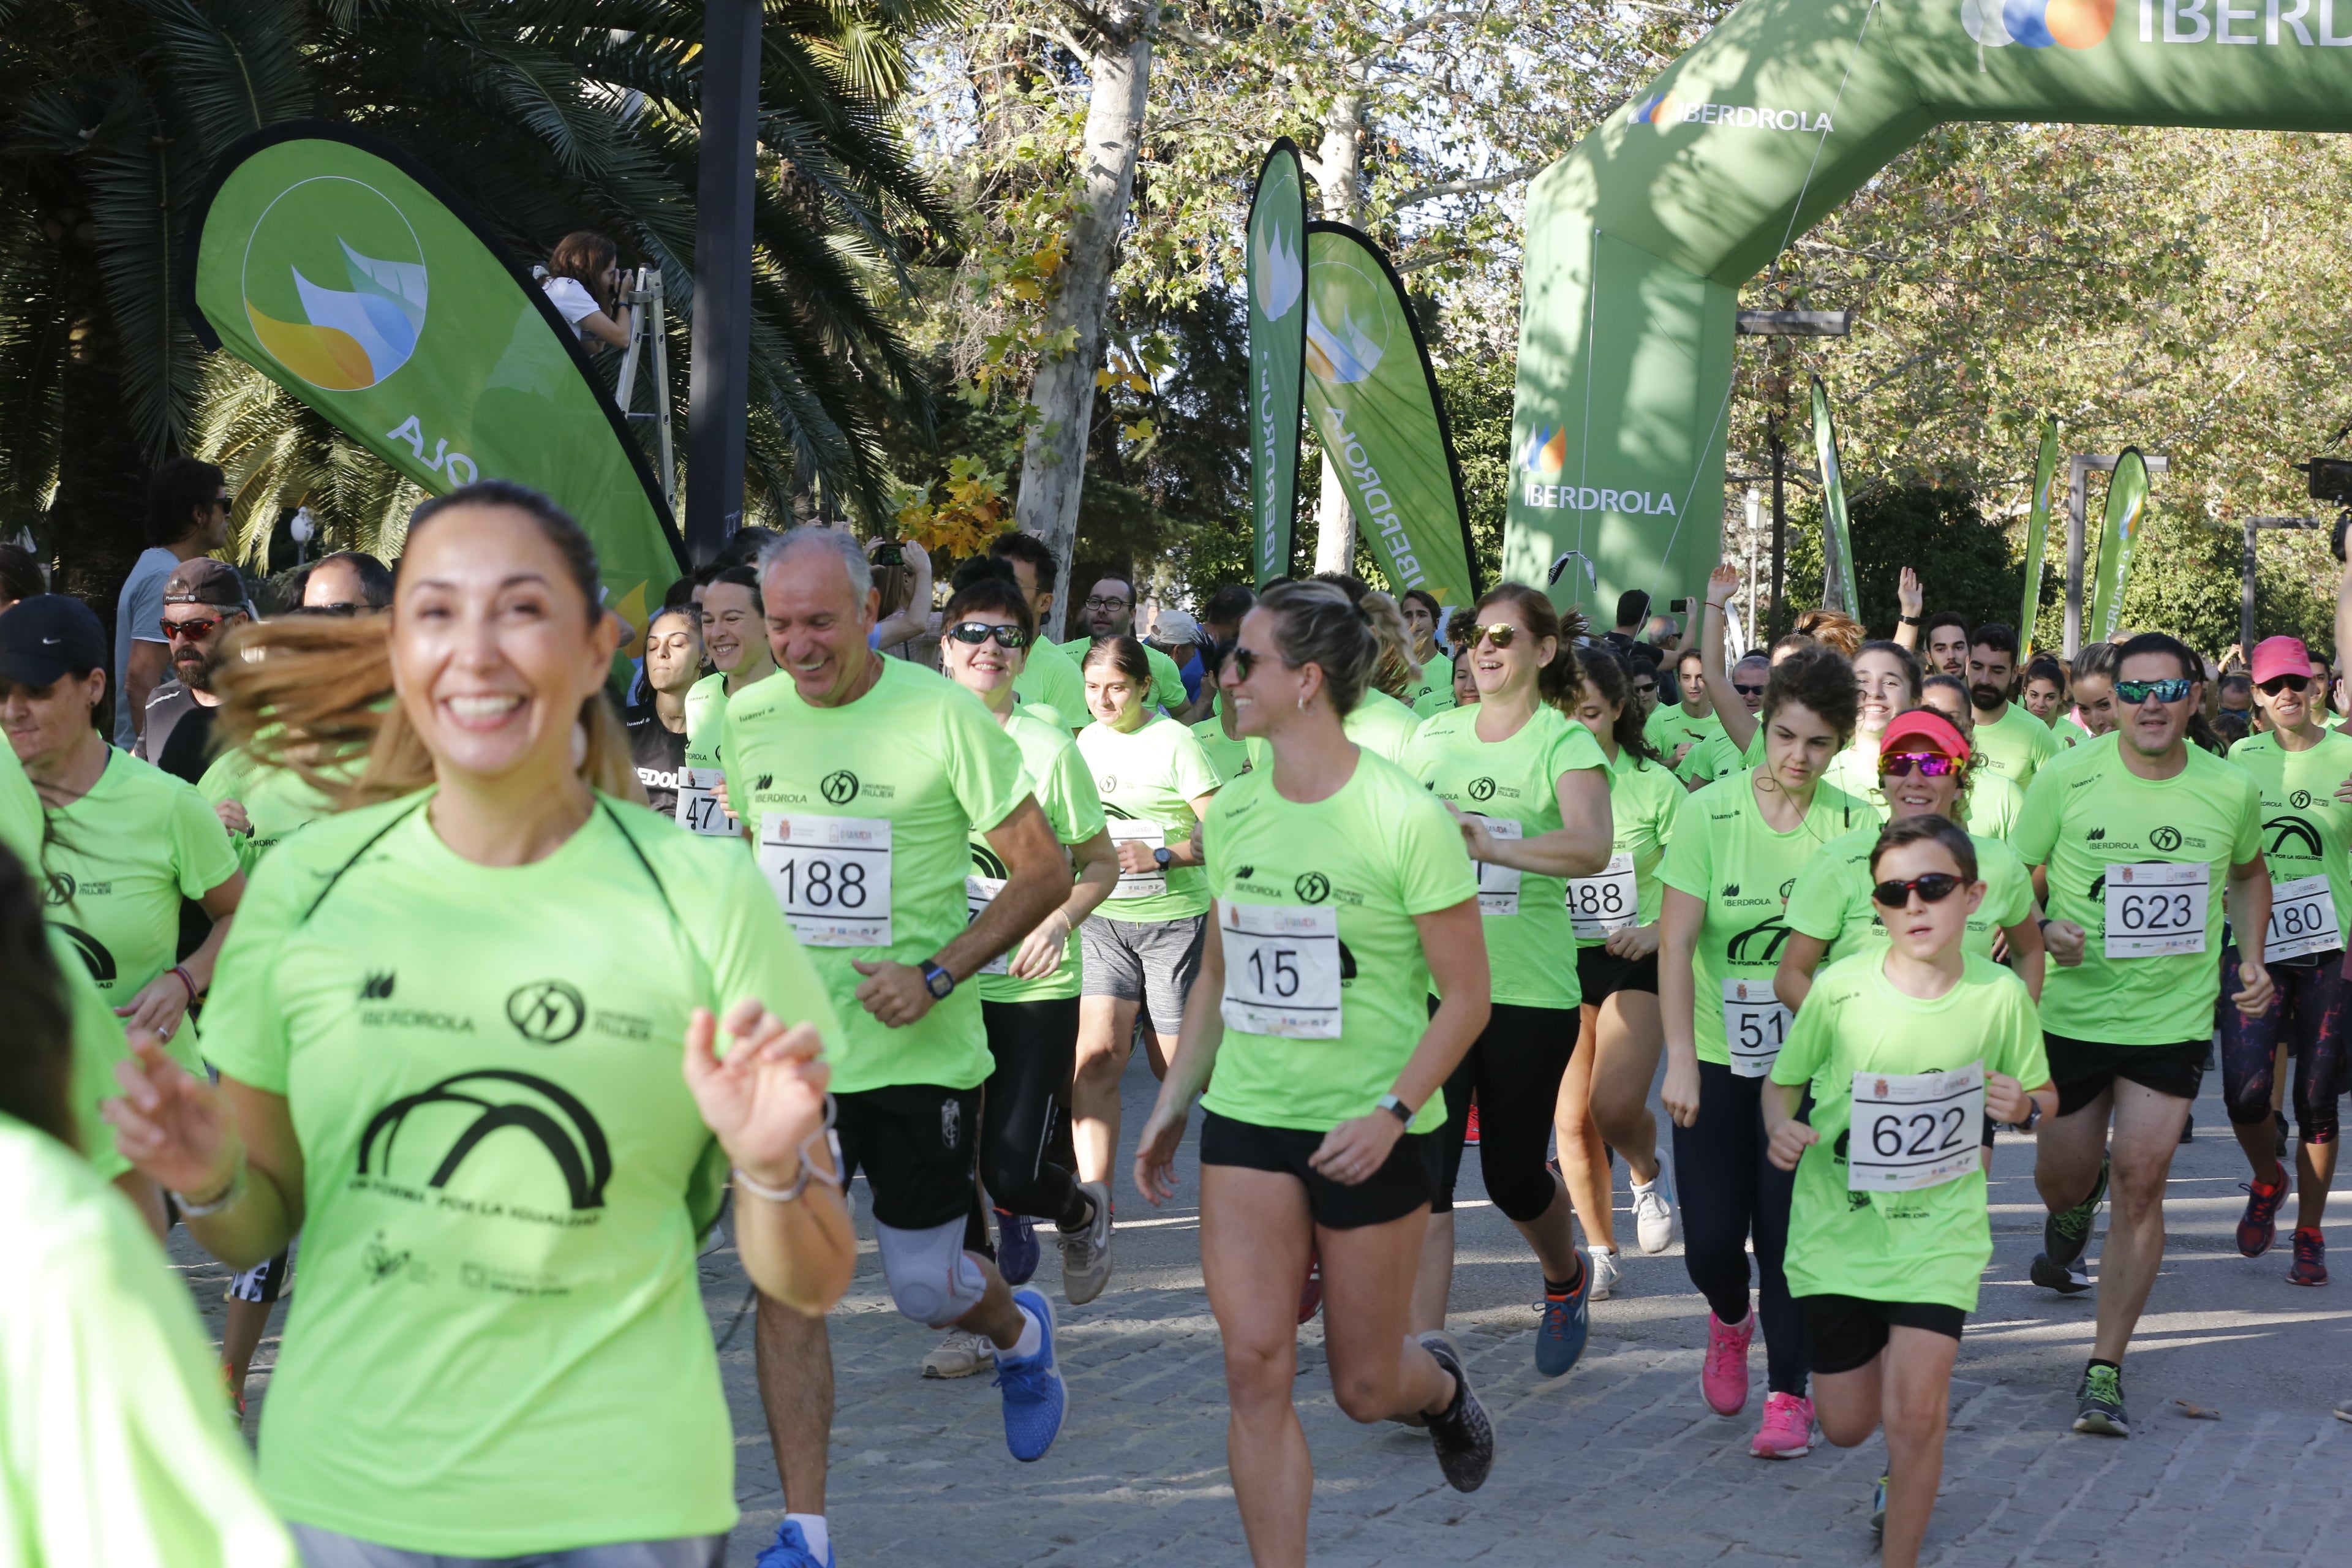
(1947, 637)
(348, 582)
(20, 575)
(187, 516)
(1110, 613)
(1221, 617)
(1633, 607)
(1644, 673)
(2237, 693)
(1423, 615)
(203, 601)
(1663, 635)
(583, 282)
(1047, 674)
(743, 546)
(902, 571)
(1178, 636)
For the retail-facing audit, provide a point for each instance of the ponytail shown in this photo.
(1560, 683)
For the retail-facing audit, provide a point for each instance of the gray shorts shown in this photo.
(1152, 962)
(325, 1549)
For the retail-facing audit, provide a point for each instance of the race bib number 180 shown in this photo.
(1914, 1130)
(2303, 920)
(1755, 1025)
(1282, 970)
(831, 876)
(2156, 909)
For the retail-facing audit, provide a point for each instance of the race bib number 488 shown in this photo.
(831, 876)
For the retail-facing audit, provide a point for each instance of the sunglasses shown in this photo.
(977, 632)
(2135, 693)
(1931, 764)
(1502, 635)
(1933, 888)
(2278, 683)
(1747, 691)
(193, 630)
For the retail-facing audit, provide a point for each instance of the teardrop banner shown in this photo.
(2118, 534)
(1277, 351)
(2037, 529)
(1374, 400)
(350, 274)
(1838, 591)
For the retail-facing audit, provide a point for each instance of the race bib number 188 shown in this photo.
(831, 876)
(2156, 909)
(1914, 1130)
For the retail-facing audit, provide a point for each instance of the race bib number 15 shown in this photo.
(831, 876)
(1282, 970)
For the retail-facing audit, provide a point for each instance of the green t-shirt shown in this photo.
(2305, 829)
(907, 772)
(1855, 770)
(1166, 679)
(1669, 728)
(1644, 803)
(1435, 692)
(2087, 812)
(1992, 807)
(1057, 776)
(1832, 900)
(114, 1443)
(2014, 745)
(1051, 677)
(505, 1174)
(1230, 756)
(706, 710)
(277, 802)
(1151, 775)
(2070, 733)
(1515, 781)
(119, 860)
(1378, 723)
(1931, 1244)
(1716, 758)
(1378, 852)
(1726, 856)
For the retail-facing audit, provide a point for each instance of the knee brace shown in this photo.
(932, 1280)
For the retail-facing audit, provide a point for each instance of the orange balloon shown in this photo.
(2080, 23)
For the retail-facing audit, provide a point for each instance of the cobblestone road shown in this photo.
(1617, 1463)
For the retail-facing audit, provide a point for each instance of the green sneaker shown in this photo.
(2099, 1407)
(2065, 1235)
(1878, 1513)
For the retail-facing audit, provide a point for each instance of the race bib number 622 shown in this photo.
(831, 876)
(1914, 1130)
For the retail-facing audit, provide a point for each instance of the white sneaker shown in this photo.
(1654, 1217)
(1086, 1254)
(960, 1354)
(1605, 1273)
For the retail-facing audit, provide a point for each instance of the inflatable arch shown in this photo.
(1638, 240)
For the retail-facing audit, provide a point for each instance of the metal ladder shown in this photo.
(648, 324)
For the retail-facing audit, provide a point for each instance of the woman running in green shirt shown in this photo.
(1604, 1100)
(1342, 893)
(466, 1034)
(1739, 845)
(734, 634)
(1530, 789)
(1992, 802)
(1903, 1049)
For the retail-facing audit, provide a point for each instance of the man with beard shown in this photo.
(203, 599)
(2009, 740)
(1110, 613)
(1946, 635)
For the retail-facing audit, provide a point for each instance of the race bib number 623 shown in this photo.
(2156, 909)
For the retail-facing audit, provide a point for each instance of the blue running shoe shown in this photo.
(1016, 1247)
(1034, 1396)
(791, 1549)
(1567, 1322)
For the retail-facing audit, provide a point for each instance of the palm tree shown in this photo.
(549, 115)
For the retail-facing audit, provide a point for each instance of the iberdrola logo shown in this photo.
(2037, 24)
(1341, 292)
(1546, 451)
(334, 283)
(1279, 275)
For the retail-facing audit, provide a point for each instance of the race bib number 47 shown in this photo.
(1755, 1025)
(1282, 970)
(2158, 909)
(698, 810)
(831, 876)
(1915, 1130)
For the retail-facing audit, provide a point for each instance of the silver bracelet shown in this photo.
(808, 1167)
(191, 1209)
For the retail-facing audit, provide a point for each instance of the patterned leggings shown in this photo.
(2309, 1011)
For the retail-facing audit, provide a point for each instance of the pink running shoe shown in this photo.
(1788, 1429)
(1724, 1380)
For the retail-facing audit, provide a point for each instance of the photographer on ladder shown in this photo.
(584, 281)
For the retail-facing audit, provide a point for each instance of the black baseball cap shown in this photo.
(49, 637)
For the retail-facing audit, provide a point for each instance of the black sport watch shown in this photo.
(1165, 856)
(938, 981)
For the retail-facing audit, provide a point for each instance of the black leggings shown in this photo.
(1515, 1065)
(1730, 1196)
(2307, 1010)
(1035, 1045)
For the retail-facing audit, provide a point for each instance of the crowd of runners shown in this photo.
(378, 943)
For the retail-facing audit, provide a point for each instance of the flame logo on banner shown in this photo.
(2037, 24)
(346, 332)
(1279, 275)
(1546, 451)
(1342, 357)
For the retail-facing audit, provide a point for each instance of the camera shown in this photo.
(889, 553)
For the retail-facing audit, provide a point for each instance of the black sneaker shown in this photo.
(2066, 1279)
(1463, 1436)
(2099, 1404)
(2066, 1235)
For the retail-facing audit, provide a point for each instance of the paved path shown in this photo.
(1619, 1462)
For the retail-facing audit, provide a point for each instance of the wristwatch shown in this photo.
(1906, 620)
(1165, 856)
(1397, 1108)
(938, 981)
(2032, 1116)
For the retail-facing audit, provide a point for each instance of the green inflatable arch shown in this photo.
(1639, 239)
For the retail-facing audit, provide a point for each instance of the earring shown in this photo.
(579, 745)
(1302, 705)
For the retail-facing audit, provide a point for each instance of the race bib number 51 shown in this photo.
(1914, 1130)
(1282, 970)
(2158, 909)
(1755, 1025)
(831, 876)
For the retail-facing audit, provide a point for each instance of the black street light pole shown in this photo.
(1786, 324)
(721, 392)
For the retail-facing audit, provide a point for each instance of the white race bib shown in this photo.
(2156, 907)
(1599, 905)
(1755, 1025)
(831, 876)
(697, 804)
(1498, 886)
(1282, 970)
(1915, 1130)
(1138, 884)
(2303, 920)
(979, 892)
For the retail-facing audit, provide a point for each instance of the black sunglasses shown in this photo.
(2278, 683)
(977, 632)
(1933, 888)
(1747, 691)
(1246, 661)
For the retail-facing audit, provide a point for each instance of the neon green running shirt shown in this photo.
(1832, 900)
(277, 802)
(505, 1175)
(1150, 776)
(1050, 677)
(1229, 755)
(2305, 829)
(1057, 776)
(2014, 745)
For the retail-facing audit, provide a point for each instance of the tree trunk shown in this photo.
(1053, 461)
(1338, 175)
